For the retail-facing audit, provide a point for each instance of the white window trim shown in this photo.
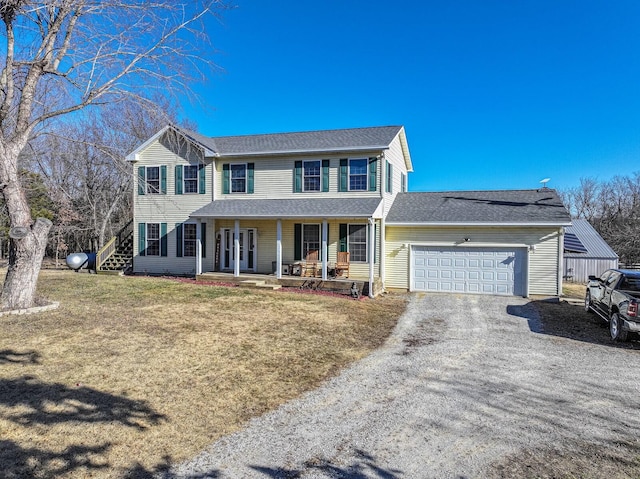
(246, 179)
(184, 180)
(146, 180)
(319, 239)
(319, 176)
(366, 183)
(184, 239)
(366, 241)
(147, 239)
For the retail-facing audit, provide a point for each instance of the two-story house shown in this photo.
(262, 203)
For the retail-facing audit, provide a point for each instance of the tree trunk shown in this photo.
(25, 261)
(27, 240)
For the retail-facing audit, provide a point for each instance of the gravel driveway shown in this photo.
(467, 386)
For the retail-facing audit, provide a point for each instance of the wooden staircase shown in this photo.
(117, 254)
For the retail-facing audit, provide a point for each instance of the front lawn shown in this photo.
(131, 373)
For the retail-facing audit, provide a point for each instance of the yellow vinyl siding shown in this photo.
(542, 264)
(169, 208)
(274, 178)
(266, 242)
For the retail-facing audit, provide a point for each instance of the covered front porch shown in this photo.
(280, 243)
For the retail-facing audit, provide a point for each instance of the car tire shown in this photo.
(587, 302)
(615, 328)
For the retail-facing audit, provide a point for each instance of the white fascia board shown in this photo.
(405, 150)
(449, 223)
(451, 244)
(133, 156)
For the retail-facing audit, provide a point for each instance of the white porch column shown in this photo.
(199, 246)
(236, 249)
(279, 249)
(372, 254)
(324, 249)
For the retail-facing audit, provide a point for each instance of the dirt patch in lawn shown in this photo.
(130, 374)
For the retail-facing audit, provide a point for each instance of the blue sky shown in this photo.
(493, 94)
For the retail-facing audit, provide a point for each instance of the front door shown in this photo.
(247, 249)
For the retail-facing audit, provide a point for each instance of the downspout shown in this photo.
(199, 247)
(279, 249)
(324, 249)
(560, 258)
(372, 255)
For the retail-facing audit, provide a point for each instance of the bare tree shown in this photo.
(65, 55)
(613, 209)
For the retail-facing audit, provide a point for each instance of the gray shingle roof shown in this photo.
(541, 206)
(589, 237)
(351, 139)
(290, 208)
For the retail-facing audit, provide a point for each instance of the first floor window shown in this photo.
(310, 240)
(357, 243)
(189, 239)
(358, 174)
(153, 239)
(239, 178)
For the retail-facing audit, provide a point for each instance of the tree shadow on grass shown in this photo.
(31, 402)
(11, 356)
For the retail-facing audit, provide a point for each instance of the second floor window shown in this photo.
(238, 178)
(153, 179)
(358, 174)
(311, 172)
(190, 173)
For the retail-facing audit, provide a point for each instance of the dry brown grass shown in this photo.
(131, 373)
(574, 290)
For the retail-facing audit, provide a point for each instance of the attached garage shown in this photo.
(496, 271)
(506, 242)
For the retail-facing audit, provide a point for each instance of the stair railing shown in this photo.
(112, 245)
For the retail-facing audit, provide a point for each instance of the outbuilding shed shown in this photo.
(586, 252)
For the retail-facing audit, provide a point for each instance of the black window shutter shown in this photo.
(373, 173)
(225, 178)
(163, 239)
(163, 179)
(202, 178)
(343, 237)
(250, 181)
(325, 175)
(203, 238)
(178, 179)
(297, 180)
(343, 184)
(179, 240)
(142, 239)
(141, 180)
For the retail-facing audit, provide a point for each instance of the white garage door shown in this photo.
(468, 270)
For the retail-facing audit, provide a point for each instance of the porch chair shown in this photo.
(310, 266)
(342, 264)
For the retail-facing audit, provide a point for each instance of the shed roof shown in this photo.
(291, 208)
(595, 245)
(502, 207)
